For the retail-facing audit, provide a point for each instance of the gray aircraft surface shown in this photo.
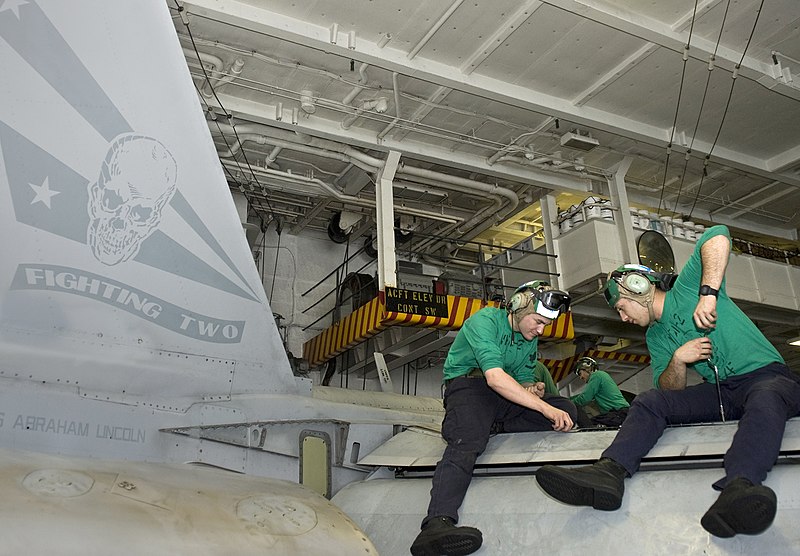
(133, 324)
(147, 403)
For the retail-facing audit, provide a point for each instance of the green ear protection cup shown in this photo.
(630, 279)
(636, 283)
(524, 294)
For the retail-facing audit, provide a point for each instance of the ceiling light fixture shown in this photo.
(578, 141)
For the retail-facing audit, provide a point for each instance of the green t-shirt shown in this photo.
(738, 345)
(602, 389)
(542, 374)
(486, 341)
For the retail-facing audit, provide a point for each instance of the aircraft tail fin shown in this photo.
(125, 268)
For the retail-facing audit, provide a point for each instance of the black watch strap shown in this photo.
(708, 290)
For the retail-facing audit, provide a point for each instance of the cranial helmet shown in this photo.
(636, 282)
(537, 296)
(585, 364)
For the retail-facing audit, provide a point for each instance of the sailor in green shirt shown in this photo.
(601, 389)
(693, 326)
(492, 356)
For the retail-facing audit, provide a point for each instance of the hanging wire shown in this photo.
(702, 105)
(277, 252)
(228, 115)
(677, 108)
(734, 75)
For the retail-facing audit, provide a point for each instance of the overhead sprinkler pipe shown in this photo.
(233, 71)
(362, 79)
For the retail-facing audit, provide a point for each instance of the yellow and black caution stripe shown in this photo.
(459, 309)
(371, 318)
(560, 368)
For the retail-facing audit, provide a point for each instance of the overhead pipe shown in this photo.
(216, 63)
(237, 145)
(516, 142)
(303, 181)
(393, 123)
(332, 149)
(411, 186)
(291, 145)
(301, 139)
(272, 156)
(539, 163)
(487, 214)
(354, 154)
(379, 105)
(477, 217)
(491, 189)
(290, 140)
(362, 78)
(233, 71)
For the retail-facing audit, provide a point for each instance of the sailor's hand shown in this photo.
(705, 314)
(561, 420)
(536, 388)
(699, 349)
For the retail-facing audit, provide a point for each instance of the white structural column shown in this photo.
(619, 197)
(387, 260)
(549, 213)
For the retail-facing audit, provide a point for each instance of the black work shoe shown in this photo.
(741, 508)
(440, 537)
(600, 485)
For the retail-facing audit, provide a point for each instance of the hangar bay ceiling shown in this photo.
(493, 104)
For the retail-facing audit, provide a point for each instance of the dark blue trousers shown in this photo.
(762, 401)
(472, 412)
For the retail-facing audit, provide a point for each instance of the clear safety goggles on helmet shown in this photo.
(615, 289)
(551, 303)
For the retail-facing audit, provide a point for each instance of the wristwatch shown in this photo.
(708, 290)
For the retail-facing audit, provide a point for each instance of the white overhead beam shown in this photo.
(785, 159)
(755, 204)
(235, 12)
(665, 35)
(760, 202)
(621, 69)
(259, 20)
(689, 187)
(496, 39)
(641, 54)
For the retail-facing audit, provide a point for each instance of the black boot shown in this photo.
(741, 508)
(440, 537)
(599, 485)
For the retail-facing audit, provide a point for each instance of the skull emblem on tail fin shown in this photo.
(137, 179)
